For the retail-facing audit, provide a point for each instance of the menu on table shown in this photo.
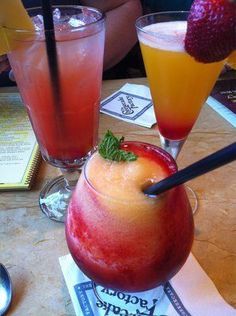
(223, 98)
(19, 151)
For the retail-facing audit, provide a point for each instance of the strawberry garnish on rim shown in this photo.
(211, 30)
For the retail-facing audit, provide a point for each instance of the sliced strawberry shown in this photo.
(211, 30)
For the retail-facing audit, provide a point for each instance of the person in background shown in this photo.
(4, 65)
(120, 29)
(150, 6)
(132, 65)
(5, 72)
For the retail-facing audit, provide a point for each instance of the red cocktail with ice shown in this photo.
(65, 121)
(60, 83)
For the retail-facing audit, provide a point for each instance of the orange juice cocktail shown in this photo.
(179, 84)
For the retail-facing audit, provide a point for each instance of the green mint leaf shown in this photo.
(109, 149)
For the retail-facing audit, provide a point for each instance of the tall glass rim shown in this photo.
(155, 15)
(160, 150)
(74, 29)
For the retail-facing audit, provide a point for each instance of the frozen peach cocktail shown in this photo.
(118, 236)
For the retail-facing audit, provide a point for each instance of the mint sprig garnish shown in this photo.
(109, 149)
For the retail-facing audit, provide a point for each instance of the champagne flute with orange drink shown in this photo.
(179, 84)
(63, 105)
(180, 66)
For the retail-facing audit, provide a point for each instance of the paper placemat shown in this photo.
(189, 293)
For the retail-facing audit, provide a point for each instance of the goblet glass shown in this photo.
(121, 238)
(179, 84)
(62, 108)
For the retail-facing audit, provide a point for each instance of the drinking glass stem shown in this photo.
(173, 147)
(71, 176)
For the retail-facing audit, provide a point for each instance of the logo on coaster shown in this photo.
(126, 105)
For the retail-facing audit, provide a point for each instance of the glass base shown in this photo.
(193, 199)
(54, 198)
(138, 303)
(67, 164)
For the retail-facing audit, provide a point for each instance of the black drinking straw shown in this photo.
(207, 164)
(51, 48)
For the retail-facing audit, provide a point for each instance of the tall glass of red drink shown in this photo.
(118, 236)
(65, 121)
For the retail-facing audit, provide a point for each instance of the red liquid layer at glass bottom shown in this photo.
(173, 131)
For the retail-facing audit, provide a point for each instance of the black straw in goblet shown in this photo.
(207, 164)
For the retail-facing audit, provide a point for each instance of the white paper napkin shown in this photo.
(189, 293)
(132, 103)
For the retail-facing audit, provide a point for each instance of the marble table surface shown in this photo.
(30, 243)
